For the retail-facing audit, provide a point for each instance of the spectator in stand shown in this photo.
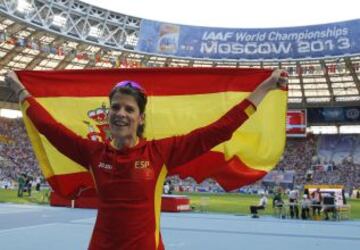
(261, 206)
(16, 152)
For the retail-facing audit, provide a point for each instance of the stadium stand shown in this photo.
(16, 153)
(17, 157)
(335, 168)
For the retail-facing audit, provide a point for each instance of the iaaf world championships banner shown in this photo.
(315, 41)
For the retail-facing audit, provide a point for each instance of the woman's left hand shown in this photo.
(278, 79)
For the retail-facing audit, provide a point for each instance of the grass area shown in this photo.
(239, 203)
(41, 197)
(355, 208)
(201, 202)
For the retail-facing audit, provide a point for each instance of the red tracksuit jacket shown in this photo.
(129, 181)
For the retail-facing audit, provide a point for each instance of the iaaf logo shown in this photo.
(100, 116)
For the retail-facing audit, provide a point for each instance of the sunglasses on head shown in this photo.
(129, 84)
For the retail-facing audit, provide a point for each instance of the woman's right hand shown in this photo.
(13, 81)
(15, 84)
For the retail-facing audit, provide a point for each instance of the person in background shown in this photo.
(166, 188)
(293, 203)
(261, 206)
(28, 184)
(305, 207)
(21, 185)
(38, 183)
(329, 205)
(171, 187)
(278, 204)
(316, 199)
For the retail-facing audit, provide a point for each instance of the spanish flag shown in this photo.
(180, 100)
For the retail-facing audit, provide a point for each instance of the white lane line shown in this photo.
(86, 220)
(27, 227)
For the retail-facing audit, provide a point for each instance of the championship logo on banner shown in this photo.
(314, 41)
(180, 100)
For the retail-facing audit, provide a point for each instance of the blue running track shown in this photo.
(24, 227)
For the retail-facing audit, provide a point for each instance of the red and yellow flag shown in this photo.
(180, 100)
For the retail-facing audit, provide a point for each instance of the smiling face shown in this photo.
(124, 116)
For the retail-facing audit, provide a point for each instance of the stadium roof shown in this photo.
(235, 13)
(34, 37)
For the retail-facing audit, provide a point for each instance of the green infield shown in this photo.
(231, 203)
(235, 203)
(7, 195)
